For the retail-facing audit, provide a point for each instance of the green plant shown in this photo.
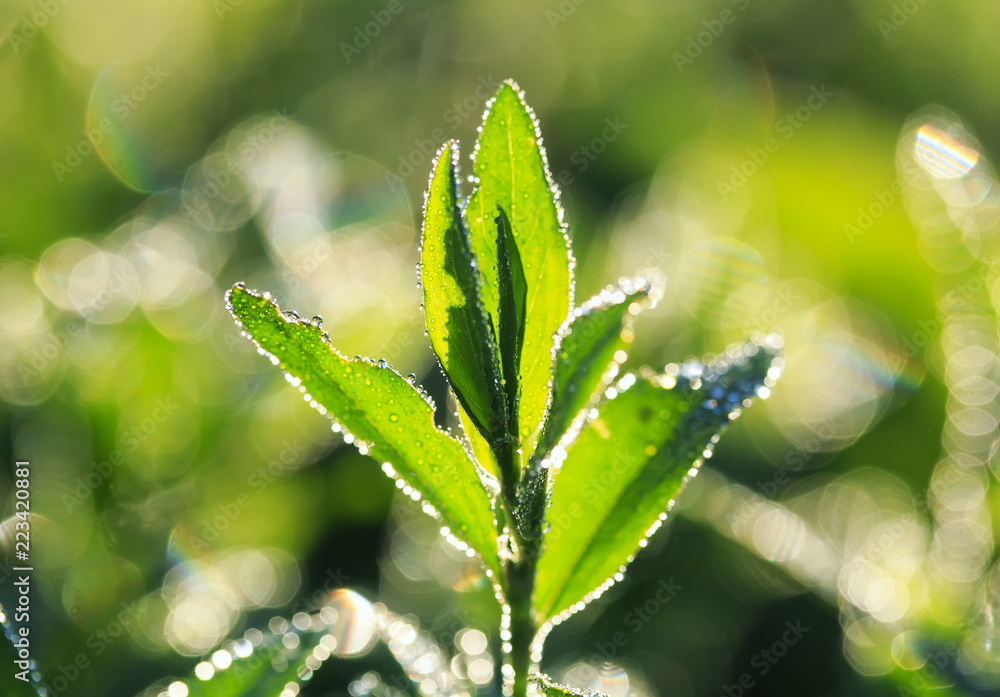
(533, 378)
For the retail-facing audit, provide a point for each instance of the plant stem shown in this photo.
(521, 581)
(520, 572)
(507, 460)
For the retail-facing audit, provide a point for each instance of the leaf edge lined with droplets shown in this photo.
(467, 507)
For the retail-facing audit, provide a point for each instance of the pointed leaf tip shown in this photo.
(590, 346)
(512, 172)
(458, 326)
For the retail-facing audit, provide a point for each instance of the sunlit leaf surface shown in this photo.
(457, 324)
(512, 172)
(380, 412)
(622, 473)
(590, 346)
(587, 352)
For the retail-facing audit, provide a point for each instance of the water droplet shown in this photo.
(354, 631)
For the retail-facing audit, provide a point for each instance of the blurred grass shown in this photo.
(649, 198)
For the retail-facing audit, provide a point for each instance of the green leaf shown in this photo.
(511, 170)
(255, 674)
(513, 293)
(587, 355)
(280, 660)
(459, 328)
(384, 416)
(477, 444)
(589, 348)
(627, 466)
(263, 662)
(544, 686)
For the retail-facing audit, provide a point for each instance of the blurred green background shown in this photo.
(817, 169)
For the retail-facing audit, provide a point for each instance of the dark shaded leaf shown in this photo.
(460, 331)
(513, 293)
